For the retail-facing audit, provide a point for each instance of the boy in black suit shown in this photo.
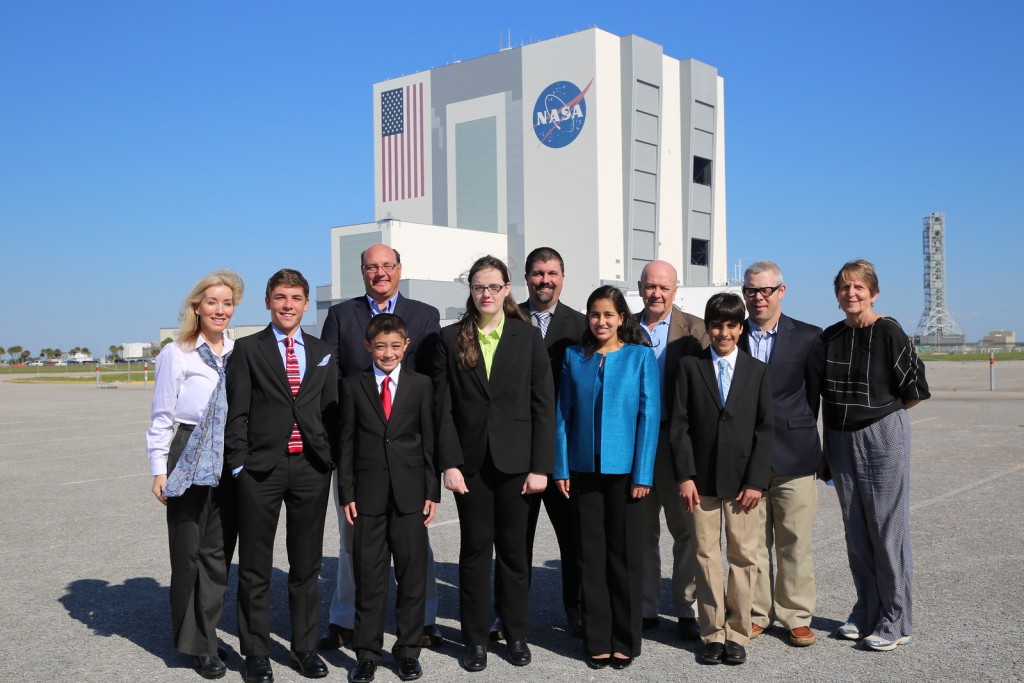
(389, 488)
(722, 449)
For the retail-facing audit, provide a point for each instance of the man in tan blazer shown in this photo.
(674, 335)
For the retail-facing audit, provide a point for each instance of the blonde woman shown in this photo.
(186, 456)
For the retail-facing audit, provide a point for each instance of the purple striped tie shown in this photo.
(291, 365)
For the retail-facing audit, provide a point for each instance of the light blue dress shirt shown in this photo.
(659, 341)
(762, 341)
(376, 309)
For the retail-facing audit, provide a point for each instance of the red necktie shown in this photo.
(385, 397)
(291, 366)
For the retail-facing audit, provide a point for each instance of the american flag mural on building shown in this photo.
(402, 145)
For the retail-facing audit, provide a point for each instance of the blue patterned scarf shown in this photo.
(202, 460)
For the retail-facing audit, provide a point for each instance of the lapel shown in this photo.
(676, 328)
(361, 312)
(480, 371)
(740, 376)
(706, 366)
(782, 330)
(555, 326)
(311, 364)
(504, 354)
(369, 384)
(268, 346)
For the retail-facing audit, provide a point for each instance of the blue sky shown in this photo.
(143, 144)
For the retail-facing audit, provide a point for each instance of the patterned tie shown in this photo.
(543, 318)
(291, 365)
(385, 397)
(724, 379)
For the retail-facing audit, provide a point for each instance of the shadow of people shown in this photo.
(136, 610)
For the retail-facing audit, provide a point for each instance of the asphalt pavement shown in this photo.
(84, 570)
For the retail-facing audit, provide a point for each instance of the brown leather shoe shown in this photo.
(756, 630)
(801, 637)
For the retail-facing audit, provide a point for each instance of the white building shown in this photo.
(600, 146)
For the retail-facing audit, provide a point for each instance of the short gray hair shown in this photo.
(764, 266)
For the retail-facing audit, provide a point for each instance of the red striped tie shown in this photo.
(291, 365)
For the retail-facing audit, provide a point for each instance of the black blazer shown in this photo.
(262, 410)
(797, 363)
(565, 329)
(377, 454)
(345, 330)
(511, 414)
(723, 449)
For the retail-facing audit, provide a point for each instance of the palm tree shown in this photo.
(13, 351)
(113, 351)
(25, 355)
(2, 350)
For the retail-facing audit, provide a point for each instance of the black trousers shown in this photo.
(304, 488)
(377, 538)
(201, 533)
(611, 551)
(565, 520)
(492, 518)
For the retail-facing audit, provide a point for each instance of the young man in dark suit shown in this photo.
(389, 487)
(280, 443)
(721, 428)
(344, 330)
(794, 352)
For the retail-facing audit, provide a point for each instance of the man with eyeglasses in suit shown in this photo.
(673, 334)
(345, 329)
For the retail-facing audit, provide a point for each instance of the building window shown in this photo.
(702, 171)
(698, 252)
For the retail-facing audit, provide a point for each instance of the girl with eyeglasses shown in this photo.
(495, 410)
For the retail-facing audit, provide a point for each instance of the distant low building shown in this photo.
(999, 339)
(133, 350)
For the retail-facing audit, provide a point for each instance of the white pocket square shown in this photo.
(325, 361)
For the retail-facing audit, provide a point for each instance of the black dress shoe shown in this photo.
(364, 671)
(620, 662)
(712, 653)
(734, 653)
(309, 664)
(496, 633)
(335, 638)
(409, 668)
(257, 669)
(475, 658)
(649, 623)
(209, 667)
(689, 629)
(431, 636)
(519, 653)
(597, 662)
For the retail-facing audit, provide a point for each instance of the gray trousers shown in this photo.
(871, 468)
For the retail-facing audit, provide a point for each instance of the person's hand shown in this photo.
(749, 497)
(535, 483)
(159, 480)
(639, 491)
(350, 513)
(688, 493)
(429, 508)
(563, 487)
(454, 481)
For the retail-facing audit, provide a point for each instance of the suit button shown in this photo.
(722, 419)
(387, 440)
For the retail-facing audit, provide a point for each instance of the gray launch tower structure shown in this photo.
(937, 327)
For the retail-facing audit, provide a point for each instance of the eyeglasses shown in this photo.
(479, 289)
(376, 267)
(766, 292)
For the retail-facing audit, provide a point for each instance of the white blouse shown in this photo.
(184, 383)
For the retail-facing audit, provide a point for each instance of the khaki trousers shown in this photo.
(786, 591)
(725, 617)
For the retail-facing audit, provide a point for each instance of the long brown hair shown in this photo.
(465, 343)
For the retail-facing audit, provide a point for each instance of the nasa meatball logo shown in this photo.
(560, 113)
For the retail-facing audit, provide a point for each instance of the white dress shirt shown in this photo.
(182, 389)
(379, 375)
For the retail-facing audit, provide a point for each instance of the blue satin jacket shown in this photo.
(631, 410)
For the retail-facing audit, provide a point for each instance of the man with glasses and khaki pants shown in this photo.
(794, 352)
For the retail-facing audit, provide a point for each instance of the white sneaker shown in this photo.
(882, 645)
(849, 631)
